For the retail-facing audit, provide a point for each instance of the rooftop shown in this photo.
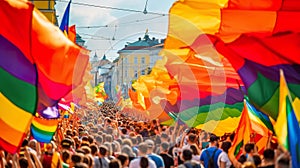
(144, 43)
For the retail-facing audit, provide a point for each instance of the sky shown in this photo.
(114, 28)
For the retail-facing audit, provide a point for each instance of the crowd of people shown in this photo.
(106, 138)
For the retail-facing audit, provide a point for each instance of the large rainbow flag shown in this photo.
(37, 68)
(287, 127)
(258, 39)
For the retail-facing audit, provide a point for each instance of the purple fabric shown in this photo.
(250, 70)
(14, 62)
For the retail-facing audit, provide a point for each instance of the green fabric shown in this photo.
(20, 93)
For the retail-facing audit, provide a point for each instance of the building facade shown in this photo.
(137, 59)
(47, 8)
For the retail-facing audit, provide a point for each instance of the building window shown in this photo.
(143, 60)
(135, 60)
(125, 60)
(125, 73)
(143, 72)
(135, 73)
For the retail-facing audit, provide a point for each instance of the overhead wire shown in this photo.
(113, 8)
(118, 25)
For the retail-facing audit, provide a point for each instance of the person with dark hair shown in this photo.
(191, 139)
(223, 159)
(186, 156)
(283, 161)
(209, 156)
(144, 163)
(168, 159)
(123, 157)
(249, 149)
(269, 159)
(143, 158)
(257, 160)
(242, 159)
(103, 151)
(66, 144)
(66, 158)
(76, 158)
(115, 163)
(196, 153)
(95, 153)
(23, 162)
(86, 160)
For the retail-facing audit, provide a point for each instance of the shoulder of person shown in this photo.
(181, 166)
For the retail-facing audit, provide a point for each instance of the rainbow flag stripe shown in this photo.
(36, 68)
(43, 129)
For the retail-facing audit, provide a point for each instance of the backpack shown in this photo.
(211, 163)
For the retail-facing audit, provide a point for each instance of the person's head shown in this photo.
(164, 137)
(213, 140)
(124, 131)
(128, 150)
(94, 149)
(225, 146)
(99, 139)
(86, 160)
(282, 161)
(257, 160)
(103, 150)
(108, 138)
(187, 154)
(150, 144)
(109, 148)
(33, 144)
(115, 163)
(91, 139)
(164, 147)
(86, 149)
(269, 155)
(242, 159)
(66, 156)
(143, 148)
(249, 148)
(127, 142)
(192, 138)
(23, 162)
(123, 157)
(139, 138)
(144, 163)
(77, 158)
(133, 140)
(66, 143)
(195, 149)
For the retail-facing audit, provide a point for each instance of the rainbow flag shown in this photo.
(38, 62)
(287, 126)
(258, 39)
(260, 122)
(251, 122)
(18, 91)
(258, 61)
(43, 129)
(242, 134)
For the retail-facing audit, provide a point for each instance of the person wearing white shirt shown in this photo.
(223, 159)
